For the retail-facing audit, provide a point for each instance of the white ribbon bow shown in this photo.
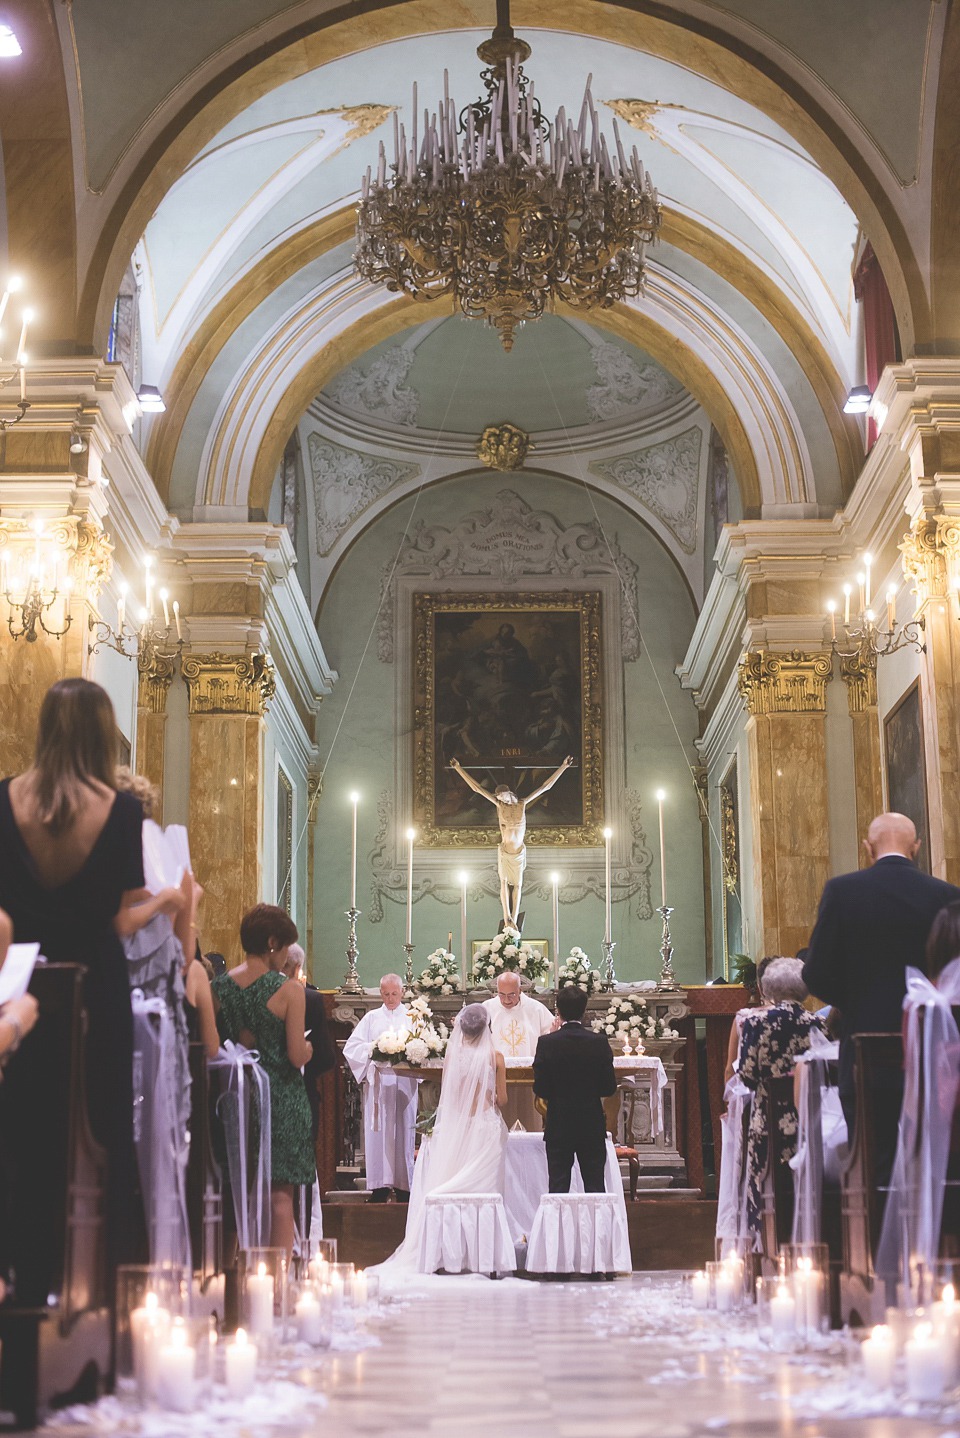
(253, 1228)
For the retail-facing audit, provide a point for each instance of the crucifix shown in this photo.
(512, 818)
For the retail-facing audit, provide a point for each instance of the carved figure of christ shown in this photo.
(512, 818)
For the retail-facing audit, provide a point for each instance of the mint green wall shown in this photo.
(364, 751)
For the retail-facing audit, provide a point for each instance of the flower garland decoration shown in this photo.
(420, 1038)
(575, 972)
(628, 1019)
(442, 973)
(506, 954)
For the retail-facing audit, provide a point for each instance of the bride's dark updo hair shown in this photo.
(473, 1021)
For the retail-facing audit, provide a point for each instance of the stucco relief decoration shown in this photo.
(631, 881)
(345, 483)
(379, 391)
(623, 386)
(503, 446)
(665, 477)
(509, 542)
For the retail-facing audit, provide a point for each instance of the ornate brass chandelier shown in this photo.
(503, 210)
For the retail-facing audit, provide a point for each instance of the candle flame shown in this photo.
(868, 560)
(831, 606)
(464, 877)
(661, 795)
(178, 1334)
(608, 833)
(554, 878)
(261, 1270)
(880, 1332)
(949, 1293)
(150, 1302)
(411, 833)
(923, 1331)
(241, 1337)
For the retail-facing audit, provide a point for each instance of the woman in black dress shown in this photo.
(71, 871)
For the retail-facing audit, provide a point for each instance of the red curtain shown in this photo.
(879, 331)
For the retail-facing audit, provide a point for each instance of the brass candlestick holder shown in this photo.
(351, 983)
(408, 973)
(609, 977)
(668, 979)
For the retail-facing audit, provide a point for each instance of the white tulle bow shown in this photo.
(246, 1080)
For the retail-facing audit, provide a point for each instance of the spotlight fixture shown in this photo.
(150, 399)
(858, 400)
(9, 44)
(78, 445)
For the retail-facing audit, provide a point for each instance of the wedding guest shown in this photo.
(324, 1054)
(733, 1046)
(870, 927)
(389, 1143)
(573, 1071)
(257, 999)
(770, 1040)
(71, 866)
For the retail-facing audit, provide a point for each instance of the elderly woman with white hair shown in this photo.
(770, 1042)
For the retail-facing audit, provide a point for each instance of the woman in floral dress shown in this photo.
(770, 1041)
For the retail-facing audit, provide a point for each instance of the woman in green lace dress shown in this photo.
(260, 1007)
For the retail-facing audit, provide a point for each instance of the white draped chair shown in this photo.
(466, 1233)
(579, 1233)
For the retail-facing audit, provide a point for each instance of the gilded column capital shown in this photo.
(859, 672)
(154, 673)
(931, 556)
(314, 790)
(793, 683)
(228, 683)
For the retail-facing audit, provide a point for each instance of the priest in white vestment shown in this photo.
(517, 1021)
(390, 1116)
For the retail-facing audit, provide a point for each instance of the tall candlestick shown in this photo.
(464, 878)
(555, 881)
(410, 838)
(661, 795)
(608, 928)
(354, 800)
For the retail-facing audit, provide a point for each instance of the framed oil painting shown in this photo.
(906, 769)
(509, 685)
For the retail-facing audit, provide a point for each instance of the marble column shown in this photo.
(227, 696)
(153, 685)
(859, 673)
(931, 560)
(785, 696)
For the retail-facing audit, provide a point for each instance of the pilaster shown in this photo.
(785, 697)
(859, 673)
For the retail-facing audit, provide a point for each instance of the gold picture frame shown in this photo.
(519, 632)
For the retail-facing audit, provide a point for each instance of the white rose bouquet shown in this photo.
(628, 1019)
(506, 954)
(419, 1039)
(441, 975)
(575, 972)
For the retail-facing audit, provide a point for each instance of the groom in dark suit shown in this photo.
(573, 1071)
(871, 925)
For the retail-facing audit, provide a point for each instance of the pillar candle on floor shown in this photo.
(240, 1359)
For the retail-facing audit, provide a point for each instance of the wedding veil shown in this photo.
(467, 1097)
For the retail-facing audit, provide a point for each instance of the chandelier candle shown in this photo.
(503, 210)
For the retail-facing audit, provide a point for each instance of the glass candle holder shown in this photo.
(776, 1311)
(263, 1292)
(184, 1364)
(806, 1266)
(313, 1314)
(149, 1298)
(726, 1284)
(945, 1321)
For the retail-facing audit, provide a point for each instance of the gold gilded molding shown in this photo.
(794, 683)
(85, 547)
(363, 119)
(154, 674)
(931, 557)
(228, 683)
(503, 447)
(425, 607)
(859, 673)
(729, 841)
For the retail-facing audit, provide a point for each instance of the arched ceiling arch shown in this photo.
(777, 80)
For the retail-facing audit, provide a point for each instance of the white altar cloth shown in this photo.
(466, 1233)
(525, 1181)
(579, 1233)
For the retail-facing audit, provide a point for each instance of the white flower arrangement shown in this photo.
(507, 953)
(420, 1039)
(628, 1020)
(441, 975)
(575, 972)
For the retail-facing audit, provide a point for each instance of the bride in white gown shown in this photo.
(465, 1152)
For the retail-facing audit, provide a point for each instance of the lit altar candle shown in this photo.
(555, 881)
(661, 795)
(867, 566)
(607, 836)
(354, 800)
(241, 1365)
(832, 611)
(176, 1364)
(410, 838)
(464, 879)
(891, 608)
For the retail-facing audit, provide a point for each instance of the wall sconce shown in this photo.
(861, 632)
(33, 584)
(143, 640)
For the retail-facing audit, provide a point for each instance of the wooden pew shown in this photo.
(204, 1183)
(56, 1327)
(862, 1296)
